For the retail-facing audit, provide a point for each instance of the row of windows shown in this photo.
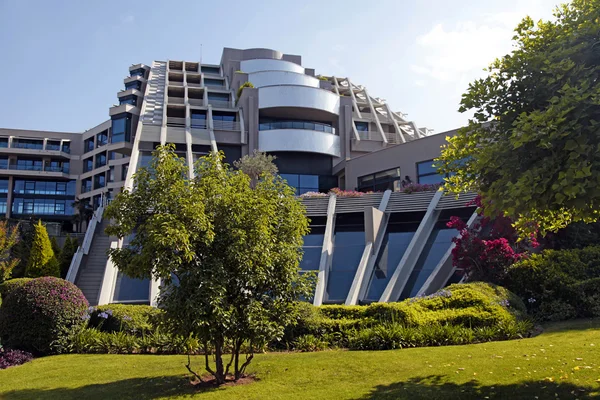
(52, 188)
(36, 144)
(380, 181)
(265, 125)
(42, 206)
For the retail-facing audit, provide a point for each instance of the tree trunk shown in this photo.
(220, 369)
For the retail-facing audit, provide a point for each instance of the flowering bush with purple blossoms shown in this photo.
(421, 187)
(11, 358)
(42, 315)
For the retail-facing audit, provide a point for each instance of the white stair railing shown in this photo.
(87, 242)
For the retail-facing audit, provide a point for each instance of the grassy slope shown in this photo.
(549, 366)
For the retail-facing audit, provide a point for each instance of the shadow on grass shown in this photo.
(572, 325)
(437, 387)
(135, 388)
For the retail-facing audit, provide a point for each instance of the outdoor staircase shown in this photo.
(91, 273)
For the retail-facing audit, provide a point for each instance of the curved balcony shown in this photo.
(299, 140)
(298, 96)
(259, 64)
(269, 78)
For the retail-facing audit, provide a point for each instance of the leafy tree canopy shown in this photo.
(538, 160)
(227, 253)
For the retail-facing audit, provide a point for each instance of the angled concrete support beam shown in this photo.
(396, 127)
(353, 98)
(374, 112)
(375, 225)
(395, 286)
(326, 252)
(444, 269)
(109, 280)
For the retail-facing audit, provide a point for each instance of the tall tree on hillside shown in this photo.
(538, 161)
(227, 253)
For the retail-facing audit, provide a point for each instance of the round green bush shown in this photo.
(42, 315)
(8, 286)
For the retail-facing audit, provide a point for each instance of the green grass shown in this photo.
(563, 362)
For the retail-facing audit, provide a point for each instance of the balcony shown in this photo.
(123, 108)
(175, 100)
(296, 96)
(176, 122)
(226, 125)
(255, 65)
(299, 140)
(370, 135)
(195, 102)
(220, 103)
(270, 78)
(312, 126)
(35, 170)
(52, 147)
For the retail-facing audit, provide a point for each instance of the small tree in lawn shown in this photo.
(42, 261)
(227, 253)
(9, 237)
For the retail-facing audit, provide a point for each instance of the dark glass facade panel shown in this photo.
(131, 290)
(313, 243)
(223, 116)
(380, 181)
(88, 164)
(42, 206)
(399, 232)
(43, 197)
(348, 246)
(3, 142)
(267, 124)
(86, 185)
(144, 159)
(124, 169)
(133, 85)
(3, 205)
(138, 72)
(88, 145)
(427, 173)
(132, 100)
(218, 96)
(3, 186)
(57, 166)
(302, 183)
(121, 129)
(437, 244)
(48, 188)
(3, 162)
(66, 147)
(31, 144)
(111, 174)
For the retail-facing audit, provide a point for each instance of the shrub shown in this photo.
(241, 88)
(559, 284)
(42, 261)
(11, 358)
(310, 343)
(8, 286)
(134, 319)
(343, 312)
(42, 315)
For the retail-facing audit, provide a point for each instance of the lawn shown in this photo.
(563, 362)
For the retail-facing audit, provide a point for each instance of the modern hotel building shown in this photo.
(325, 131)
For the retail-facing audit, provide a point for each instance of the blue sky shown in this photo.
(62, 62)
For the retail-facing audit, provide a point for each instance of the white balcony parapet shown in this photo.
(269, 78)
(298, 96)
(255, 65)
(299, 140)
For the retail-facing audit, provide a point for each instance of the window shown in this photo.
(380, 181)
(121, 127)
(213, 82)
(313, 244)
(28, 144)
(111, 155)
(88, 145)
(138, 72)
(29, 165)
(302, 183)
(66, 147)
(3, 185)
(53, 145)
(102, 138)
(128, 100)
(427, 173)
(266, 124)
(4, 162)
(3, 142)
(88, 164)
(137, 85)
(361, 126)
(210, 70)
(86, 185)
(100, 160)
(218, 96)
(198, 120)
(57, 166)
(124, 169)
(111, 174)
(50, 188)
(99, 181)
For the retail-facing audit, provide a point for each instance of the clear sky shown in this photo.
(62, 62)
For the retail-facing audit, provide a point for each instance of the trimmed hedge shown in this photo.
(42, 315)
(559, 284)
(8, 286)
(133, 319)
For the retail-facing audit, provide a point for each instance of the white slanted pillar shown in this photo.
(326, 252)
(395, 286)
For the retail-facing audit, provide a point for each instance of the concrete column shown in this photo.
(326, 252)
(9, 196)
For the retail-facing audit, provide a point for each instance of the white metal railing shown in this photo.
(87, 242)
(392, 137)
(195, 102)
(175, 100)
(226, 125)
(175, 122)
(219, 103)
(370, 135)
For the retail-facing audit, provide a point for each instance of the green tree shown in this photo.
(538, 161)
(84, 213)
(227, 253)
(55, 247)
(42, 261)
(66, 255)
(9, 237)
(255, 165)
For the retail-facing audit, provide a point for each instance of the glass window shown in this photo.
(132, 100)
(88, 164)
(380, 181)
(3, 142)
(348, 246)
(292, 179)
(88, 145)
(213, 82)
(121, 129)
(124, 169)
(99, 181)
(129, 289)
(100, 160)
(111, 174)
(4, 162)
(313, 242)
(86, 185)
(53, 145)
(361, 126)
(431, 179)
(111, 155)
(210, 70)
(102, 138)
(427, 173)
(133, 85)
(28, 144)
(218, 96)
(138, 72)
(66, 147)
(3, 185)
